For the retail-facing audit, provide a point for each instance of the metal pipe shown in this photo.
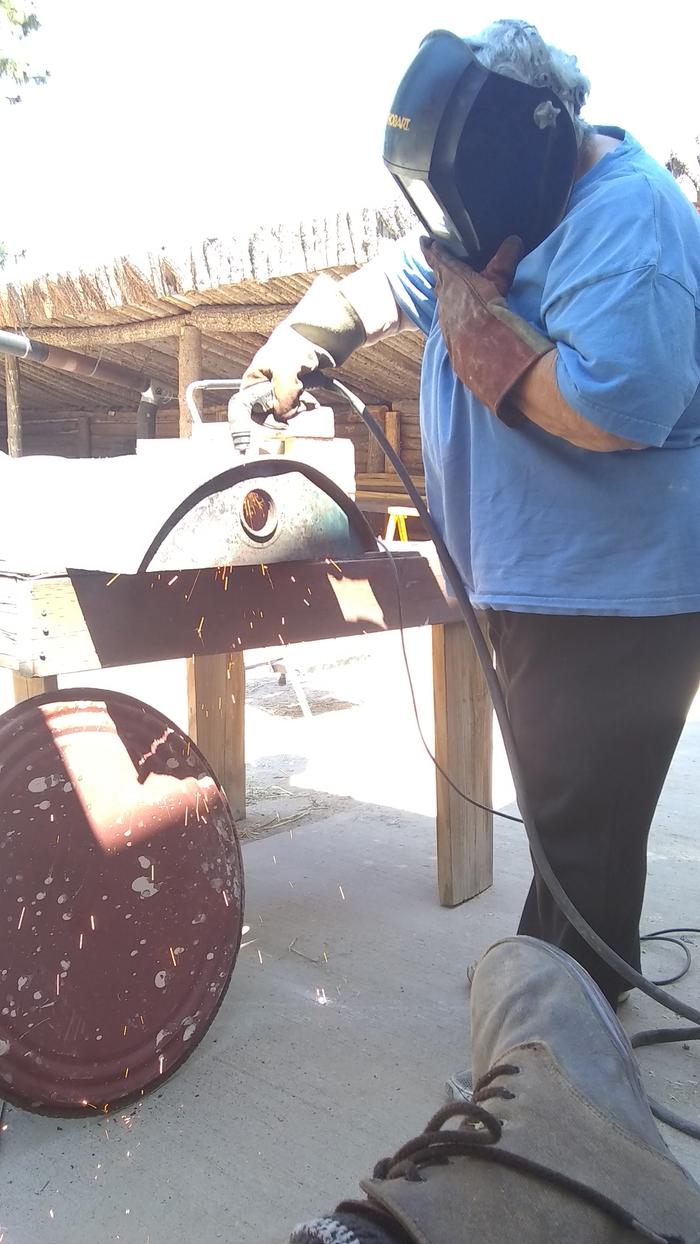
(23, 347)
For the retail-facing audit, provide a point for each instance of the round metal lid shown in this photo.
(121, 900)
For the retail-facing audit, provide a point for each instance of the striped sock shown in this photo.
(343, 1229)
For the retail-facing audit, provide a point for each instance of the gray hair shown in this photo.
(517, 49)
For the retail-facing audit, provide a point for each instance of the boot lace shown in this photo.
(437, 1144)
(477, 1135)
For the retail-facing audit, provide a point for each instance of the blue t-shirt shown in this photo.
(535, 524)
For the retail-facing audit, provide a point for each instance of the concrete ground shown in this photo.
(347, 1007)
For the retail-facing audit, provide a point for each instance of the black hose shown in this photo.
(582, 927)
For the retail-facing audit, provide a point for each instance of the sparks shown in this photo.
(173, 580)
(92, 923)
(161, 1060)
(260, 954)
(332, 563)
(342, 895)
(80, 942)
(112, 580)
(58, 983)
(188, 594)
(126, 1029)
(199, 628)
(19, 926)
(172, 956)
(226, 900)
(321, 996)
(126, 1072)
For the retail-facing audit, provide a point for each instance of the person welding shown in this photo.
(559, 292)
(560, 424)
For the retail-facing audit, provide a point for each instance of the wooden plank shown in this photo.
(24, 688)
(14, 407)
(216, 687)
(388, 480)
(84, 438)
(93, 620)
(463, 749)
(393, 435)
(375, 455)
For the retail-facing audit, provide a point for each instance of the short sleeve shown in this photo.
(627, 352)
(412, 281)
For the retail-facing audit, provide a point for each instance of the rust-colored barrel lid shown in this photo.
(121, 900)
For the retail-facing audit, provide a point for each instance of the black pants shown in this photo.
(597, 705)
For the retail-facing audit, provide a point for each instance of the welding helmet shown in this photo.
(478, 155)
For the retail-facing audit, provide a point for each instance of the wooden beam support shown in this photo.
(392, 428)
(84, 434)
(375, 454)
(219, 319)
(189, 370)
(14, 407)
(216, 715)
(463, 748)
(215, 684)
(24, 687)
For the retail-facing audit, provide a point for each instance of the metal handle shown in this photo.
(198, 385)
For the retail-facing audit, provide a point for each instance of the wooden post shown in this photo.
(463, 748)
(14, 407)
(392, 429)
(216, 699)
(375, 456)
(24, 687)
(215, 684)
(84, 430)
(189, 369)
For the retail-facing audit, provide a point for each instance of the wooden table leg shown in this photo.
(24, 688)
(463, 748)
(216, 696)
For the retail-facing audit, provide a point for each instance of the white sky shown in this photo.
(167, 121)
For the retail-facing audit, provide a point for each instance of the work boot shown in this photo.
(558, 1144)
(460, 1086)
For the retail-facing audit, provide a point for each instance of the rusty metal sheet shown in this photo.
(121, 900)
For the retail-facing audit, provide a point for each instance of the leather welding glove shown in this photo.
(490, 347)
(322, 331)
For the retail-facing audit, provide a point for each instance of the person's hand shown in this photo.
(489, 346)
(284, 360)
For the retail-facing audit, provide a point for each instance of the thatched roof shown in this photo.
(234, 289)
